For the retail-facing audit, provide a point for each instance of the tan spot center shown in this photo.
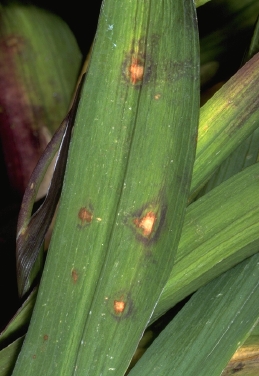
(85, 215)
(146, 223)
(136, 71)
(119, 306)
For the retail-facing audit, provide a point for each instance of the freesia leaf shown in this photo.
(226, 120)
(19, 322)
(8, 356)
(245, 361)
(124, 194)
(31, 230)
(203, 336)
(247, 152)
(220, 230)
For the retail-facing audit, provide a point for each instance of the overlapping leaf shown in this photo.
(204, 335)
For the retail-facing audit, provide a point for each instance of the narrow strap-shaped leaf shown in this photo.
(31, 230)
(39, 63)
(8, 356)
(204, 335)
(19, 322)
(220, 230)
(198, 3)
(226, 120)
(231, 211)
(245, 361)
(254, 45)
(245, 155)
(125, 191)
(247, 152)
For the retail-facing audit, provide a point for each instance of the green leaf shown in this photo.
(203, 336)
(40, 61)
(39, 64)
(220, 230)
(19, 322)
(230, 211)
(245, 155)
(125, 191)
(198, 3)
(247, 152)
(254, 44)
(8, 356)
(226, 120)
(12, 336)
(32, 230)
(245, 361)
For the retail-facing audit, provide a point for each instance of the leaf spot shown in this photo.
(119, 306)
(136, 71)
(85, 216)
(146, 223)
(74, 275)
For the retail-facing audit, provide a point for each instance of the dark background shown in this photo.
(81, 18)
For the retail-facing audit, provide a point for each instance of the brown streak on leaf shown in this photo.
(74, 275)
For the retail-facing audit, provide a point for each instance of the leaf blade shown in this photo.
(220, 230)
(100, 293)
(211, 326)
(226, 120)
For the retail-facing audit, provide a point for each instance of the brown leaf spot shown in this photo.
(119, 306)
(45, 337)
(238, 367)
(33, 356)
(137, 65)
(74, 274)
(146, 223)
(136, 70)
(85, 216)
